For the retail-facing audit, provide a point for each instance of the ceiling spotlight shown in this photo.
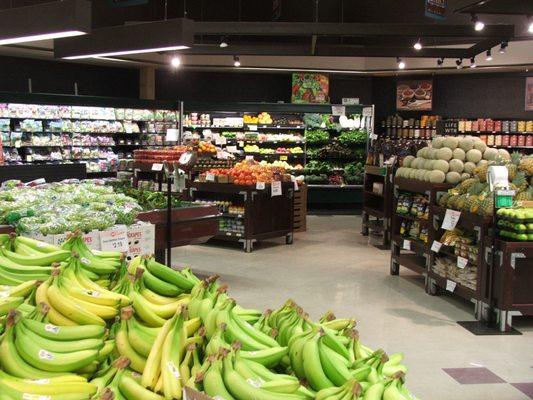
(223, 43)
(478, 25)
(459, 63)
(530, 20)
(489, 56)
(418, 45)
(401, 63)
(440, 61)
(473, 62)
(236, 61)
(503, 47)
(175, 62)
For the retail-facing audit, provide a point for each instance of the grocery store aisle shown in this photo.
(333, 267)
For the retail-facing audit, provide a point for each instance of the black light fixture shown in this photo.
(223, 42)
(478, 25)
(503, 47)
(459, 63)
(418, 45)
(236, 61)
(473, 62)
(489, 55)
(440, 61)
(45, 21)
(145, 37)
(400, 62)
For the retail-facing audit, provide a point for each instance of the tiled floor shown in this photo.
(333, 267)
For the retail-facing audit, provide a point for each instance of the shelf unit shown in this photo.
(264, 216)
(377, 205)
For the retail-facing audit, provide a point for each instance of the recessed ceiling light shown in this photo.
(175, 62)
(418, 45)
(236, 61)
(401, 63)
(478, 25)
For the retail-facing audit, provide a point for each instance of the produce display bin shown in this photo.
(300, 209)
(375, 204)
(265, 216)
(512, 281)
(410, 253)
(190, 225)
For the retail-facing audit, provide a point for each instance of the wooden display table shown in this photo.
(375, 204)
(300, 209)
(265, 216)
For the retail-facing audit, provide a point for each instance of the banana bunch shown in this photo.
(351, 390)
(33, 349)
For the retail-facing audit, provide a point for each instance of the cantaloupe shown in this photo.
(474, 155)
(437, 142)
(412, 173)
(453, 177)
(482, 163)
(470, 167)
(444, 154)
(465, 176)
(456, 165)
(450, 142)
(399, 172)
(437, 176)
(459, 154)
(490, 154)
(407, 161)
(466, 144)
(432, 154)
(441, 165)
(422, 152)
(420, 174)
(504, 154)
(427, 176)
(480, 145)
(430, 164)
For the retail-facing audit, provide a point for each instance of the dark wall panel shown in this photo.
(59, 78)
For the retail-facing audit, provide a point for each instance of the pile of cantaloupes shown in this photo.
(449, 159)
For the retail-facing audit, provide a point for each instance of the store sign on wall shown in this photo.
(414, 95)
(435, 9)
(310, 88)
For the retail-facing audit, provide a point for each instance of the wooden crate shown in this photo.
(300, 209)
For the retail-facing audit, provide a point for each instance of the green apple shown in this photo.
(522, 237)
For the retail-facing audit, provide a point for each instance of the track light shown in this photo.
(236, 61)
(489, 56)
(478, 25)
(418, 45)
(401, 63)
(175, 62)
(440, 61)
(223, 42)
(503, 47)
(459, 63)
(530, 20)
(473, 62)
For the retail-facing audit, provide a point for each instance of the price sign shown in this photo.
(450, 219)
(222, 140)
(216, 137)
(407, 244)
(249, 157)
(283, 158)
(461, 262)
(338, 110)
(295, 183)
(373, 136)
(252, 127)
(157, 167)
(436, 246)
(114, 239)
(231, 149)
(209, 177)
(276, 188)
(367, 112)
(450, 285)
(260, 185)
(241, 143)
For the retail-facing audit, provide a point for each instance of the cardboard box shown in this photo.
(141, 240)
(91, 239)
(191, 394)
(43, 238)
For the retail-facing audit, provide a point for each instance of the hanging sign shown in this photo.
(276, 188)
(450, 285)
(436, 246)
(435, 9)
(407, 244)
(461, 262)
(450, 219)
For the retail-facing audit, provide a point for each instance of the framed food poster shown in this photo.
(529, 94)
(310, 88)
(414, 95)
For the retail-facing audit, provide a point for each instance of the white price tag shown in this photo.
(276, 188)
(461, 262)
(260, 185)
(209, 177)
(338, 110)
(436, 246)
(114, 239)
(450, 285)
(231, 149)
(373, 136)
(252, 127)
(157, 167)
(249, 157)
(450, 219)
(407, 244)
(367, 112)
(222, 140)
(241, 143)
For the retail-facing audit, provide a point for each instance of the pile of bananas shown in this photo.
(81, 324)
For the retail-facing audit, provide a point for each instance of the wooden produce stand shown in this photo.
(265, 216)
(467, 222)
(413, 254)
(512, 292)
(377, 205)
(300, 209)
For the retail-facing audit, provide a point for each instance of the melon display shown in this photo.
(407, 161)
(444, 153)
(466, 144)
(456, 165)
(450, 142)
(480, 145)
(504, 154)
(465, 176)
(437, 142)
(441, 165)
(453, 177)
(470, 167)
(474, 155)
(490, 154)
(459, 154)
(437, 176)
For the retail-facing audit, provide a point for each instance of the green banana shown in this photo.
(125, 349)
(9, 303)
(42, 247)
(64, 333)
(132, 390)
(336, 372)
(268, 357)
(374, 392)
(168, 275)
(214, 383)
(312, 365)
(160, 286)
(46, 259)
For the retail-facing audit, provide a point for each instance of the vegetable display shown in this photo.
(352, 137)
(94, 327)
(59, 207)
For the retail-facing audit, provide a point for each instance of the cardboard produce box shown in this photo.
(191, 394)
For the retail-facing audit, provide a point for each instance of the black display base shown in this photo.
(481, 328)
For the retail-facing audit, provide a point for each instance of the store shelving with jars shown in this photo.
(101, 137)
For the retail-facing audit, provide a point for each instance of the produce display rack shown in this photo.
(377, 205)
(265, 216)
(413, 254)
(300, 209)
